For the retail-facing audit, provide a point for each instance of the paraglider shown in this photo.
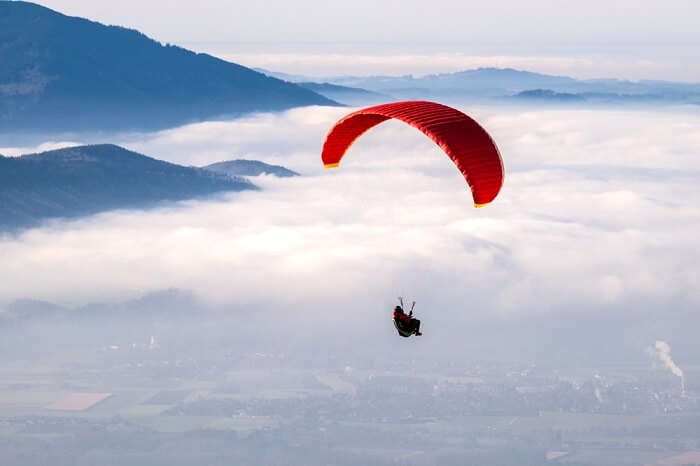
(468, 145)
(405, 324)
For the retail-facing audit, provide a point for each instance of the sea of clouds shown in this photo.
(599, 211)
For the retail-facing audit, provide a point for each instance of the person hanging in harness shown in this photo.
(405, 324)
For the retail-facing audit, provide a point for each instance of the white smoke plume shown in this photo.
(661, 352)
(598, 395)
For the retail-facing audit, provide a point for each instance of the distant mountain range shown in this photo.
(61, 73)
(342, 94)
(549, 95)
(508, 85)
(67, 74)
(84, 180)
(243, 167)
(156, 306)
(345, 94)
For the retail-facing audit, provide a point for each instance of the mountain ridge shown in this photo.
(496, 84)
(85, 180)
(67, 73)
(244, 167)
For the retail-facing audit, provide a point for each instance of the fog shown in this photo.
(254, 327)
(599, 209)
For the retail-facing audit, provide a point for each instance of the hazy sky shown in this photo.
(623, 38)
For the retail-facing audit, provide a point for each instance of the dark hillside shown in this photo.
(67, 73)
(88, 179)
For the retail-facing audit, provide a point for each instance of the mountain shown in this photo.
(345, 94)
(488, 84)
(84, 180)
(66, 73)
(292, 78)
(547, 95)
(342, 94)
(157, 305)
(242, 167)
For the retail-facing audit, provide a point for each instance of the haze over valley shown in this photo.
(188, 284)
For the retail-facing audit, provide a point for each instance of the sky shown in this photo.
(644, 39)
(598, 211)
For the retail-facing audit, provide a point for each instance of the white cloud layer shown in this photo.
(599, 210)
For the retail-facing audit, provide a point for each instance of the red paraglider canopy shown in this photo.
(468, 145)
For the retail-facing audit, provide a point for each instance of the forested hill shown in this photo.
(243, 167)
(84, 180)
(66, 73)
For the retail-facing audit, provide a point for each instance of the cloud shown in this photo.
(598, 212)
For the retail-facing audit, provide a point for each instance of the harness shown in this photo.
(402, 332)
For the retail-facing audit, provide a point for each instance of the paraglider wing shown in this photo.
(468, 145)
